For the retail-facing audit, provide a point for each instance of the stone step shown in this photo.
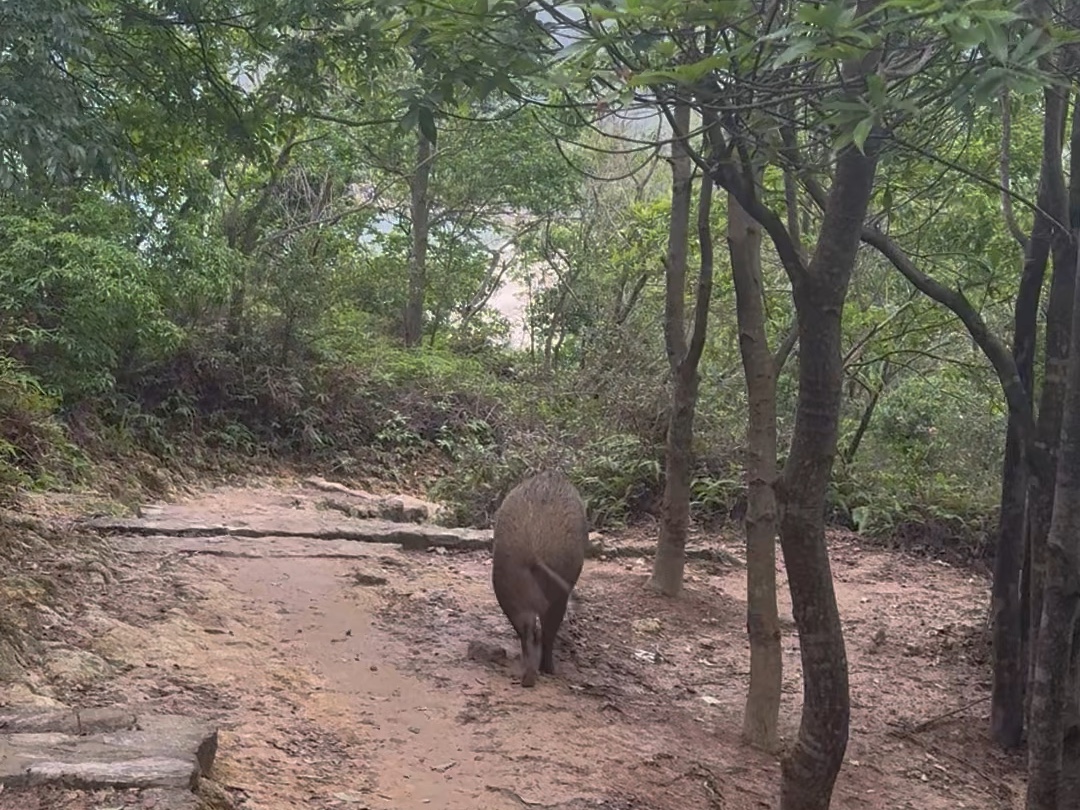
(103, 748)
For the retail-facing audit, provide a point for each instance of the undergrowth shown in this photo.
(462, 428)
(35, 451)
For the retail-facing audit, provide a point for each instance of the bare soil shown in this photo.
(342, 677)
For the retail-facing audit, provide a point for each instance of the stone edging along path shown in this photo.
(107, 748)
(410, 537)
(351, 516)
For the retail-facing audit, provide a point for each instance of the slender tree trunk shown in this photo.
(864, 425)
(867, 416)
(554, 327)
(1070, 787)
(436, 325)
(809, 771)
(762, 620)
(242, 228)
(239, 235)
(1056, 349)
(667, 576)
(667, 573)
(1061, 599)
(556, 350)
(1010, 667)
(235, 318)
(419, 212)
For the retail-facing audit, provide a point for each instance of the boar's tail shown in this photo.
(553, 585)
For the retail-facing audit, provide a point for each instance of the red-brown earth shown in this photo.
(341, 677)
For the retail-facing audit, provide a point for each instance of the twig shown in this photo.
(525, 802)
(1000, 786)
(933, 721)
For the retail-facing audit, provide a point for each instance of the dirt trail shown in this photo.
(341, 676)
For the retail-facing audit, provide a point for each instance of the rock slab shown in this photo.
(409, 536)
(102, 748)
(361, 504)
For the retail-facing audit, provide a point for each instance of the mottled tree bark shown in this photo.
(1052, 680)
(683, 356)
(1040, 505)
(420, 205)
(762, 619)
(809, 771)
(1010, 664)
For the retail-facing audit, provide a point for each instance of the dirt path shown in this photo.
(341, 675)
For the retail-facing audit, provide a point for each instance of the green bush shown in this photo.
(34, 449)
(619, 476)
(88, 304)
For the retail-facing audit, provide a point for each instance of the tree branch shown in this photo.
(705, 276)
(995, 350)
(624, 308)
(783, 351)
(1005, 174)
(675, 262)
(722, 167)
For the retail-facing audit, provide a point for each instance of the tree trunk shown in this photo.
(1056, 349)
(667, 573)
(419, 211)
(867, 416)
(1061, 598)
(234, 321)
(1010, 668)
(555, 326)
(762, 620)
(809, 771)
(436, 325)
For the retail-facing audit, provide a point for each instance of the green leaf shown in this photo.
(996, 43)
(875, 88)
(426, 120)
(799, 48)
(1026, 45)
(862, 132)
(841, 139)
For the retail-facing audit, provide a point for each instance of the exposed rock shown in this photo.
(361, 504)
(104, 748)
(76, 666)
(412, 537)
(268, 521)
(11, 665)
(146, 772)
(39, 798)
(73, 721)
(22, 694)
(413, 510)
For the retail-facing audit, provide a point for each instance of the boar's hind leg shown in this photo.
(550, 625)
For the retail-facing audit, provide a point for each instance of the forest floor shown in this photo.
(355, 675)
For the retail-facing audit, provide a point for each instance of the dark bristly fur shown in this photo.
(539, 548)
